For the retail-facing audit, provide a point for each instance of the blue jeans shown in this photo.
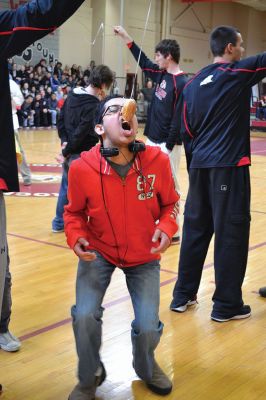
(58, 222)
(143, 282)
(53, 116)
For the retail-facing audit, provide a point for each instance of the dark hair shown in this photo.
(101, 108)
(101, 75)
(221, 37)
(169, 46)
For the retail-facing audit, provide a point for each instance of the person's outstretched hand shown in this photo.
(164, 242)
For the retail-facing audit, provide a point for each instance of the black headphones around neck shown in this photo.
(133, 147)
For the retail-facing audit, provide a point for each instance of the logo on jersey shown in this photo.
(223, 188)
(160, 92)
(207, 80)
(163, 84)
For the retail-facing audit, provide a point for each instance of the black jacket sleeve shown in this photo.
(62, 133)
(256, 68)
(149, 68)
(21, 27)
(84, 129)
(174, 136)
(248, 71)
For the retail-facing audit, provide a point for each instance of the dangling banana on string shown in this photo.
(129, 108)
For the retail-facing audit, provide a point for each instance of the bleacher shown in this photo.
(258, 125)
(255, 123)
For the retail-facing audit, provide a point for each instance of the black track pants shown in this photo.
(218, 203)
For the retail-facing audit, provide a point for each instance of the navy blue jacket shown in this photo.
(18, 29)
(163, 124)
(216, 113)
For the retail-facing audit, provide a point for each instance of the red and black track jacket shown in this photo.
(163, 124)
(134, 204)
(18, 29)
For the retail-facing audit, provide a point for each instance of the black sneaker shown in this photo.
(262, 291)
(245, 312)
(175, 240)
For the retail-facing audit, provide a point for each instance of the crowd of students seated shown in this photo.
(45, 88)
(261, 108)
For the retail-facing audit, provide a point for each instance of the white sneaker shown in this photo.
(9, 342)
(182, 307)
(54, 230)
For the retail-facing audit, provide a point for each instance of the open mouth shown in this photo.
(126, 126)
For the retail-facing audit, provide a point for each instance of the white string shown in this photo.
(142, 42)
(97, 34)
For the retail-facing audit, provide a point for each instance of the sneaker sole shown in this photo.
(175, 243)
(10, 350)
(236, 317)
(179, 309)
(182, 309)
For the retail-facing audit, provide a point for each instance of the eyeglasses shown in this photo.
(113, 109)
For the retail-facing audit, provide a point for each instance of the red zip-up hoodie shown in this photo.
(118, 217)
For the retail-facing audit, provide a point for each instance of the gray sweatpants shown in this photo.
(23, 167)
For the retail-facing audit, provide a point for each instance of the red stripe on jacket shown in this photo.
(3, 185)
(26, 28)
(185, 120)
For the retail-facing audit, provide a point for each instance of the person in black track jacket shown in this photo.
(18, 29)
(164, 118)
(216, 135)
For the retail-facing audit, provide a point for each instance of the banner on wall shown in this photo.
(47, 48)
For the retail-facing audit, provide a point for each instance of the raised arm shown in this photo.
(30, 22)
(149, 68)
(249, 71)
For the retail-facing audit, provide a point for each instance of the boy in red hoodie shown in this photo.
(121, 214)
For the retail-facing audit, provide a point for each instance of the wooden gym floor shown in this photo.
(206, 360)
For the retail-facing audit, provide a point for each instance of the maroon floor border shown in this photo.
(117, 301)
